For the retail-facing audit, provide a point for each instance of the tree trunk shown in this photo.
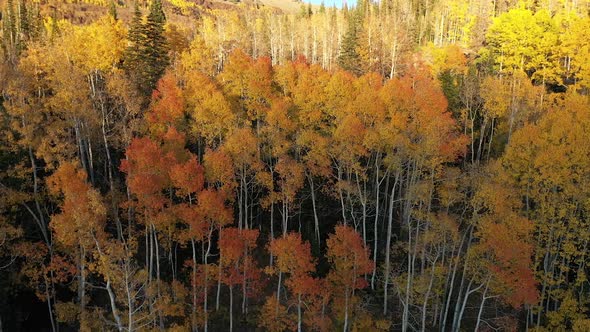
(206, 288)
(427, 295)
(113, 302)
(244, 285)
(278, 293)
(272, 227)
(82, 281)
(363, 197)
(315, 213)
(54, 327)
(39, 218)
(231, 308)
(388, 245)
(481, 139)
(481, 306)
(218, 289)
(460, 295)
(194, 287)
(299, 318)
(375, 232)
(469, 292)
(130, 299)
(110, 173)
(446, 306)
(341, 196)
(345, 329)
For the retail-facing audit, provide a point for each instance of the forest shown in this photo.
(213, 165)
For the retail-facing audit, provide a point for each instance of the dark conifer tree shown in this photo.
(156, 46)
(132, 59)
(113, 10)
(349, 58)
(24, 19)
(146, 58)
(35, 22)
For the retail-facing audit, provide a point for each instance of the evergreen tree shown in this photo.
(349, 58)
(136, 30)
(24, 24)
(113, 11)
(157, 13)
(156, 46)
(54, 30)
(302, 11)
(35, 22)
(146, 58)
(132, 59)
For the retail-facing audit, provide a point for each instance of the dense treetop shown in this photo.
(219, 165)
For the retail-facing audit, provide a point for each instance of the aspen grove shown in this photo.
(211, 165)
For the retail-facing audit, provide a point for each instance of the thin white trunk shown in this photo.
(388, 245)
(481, 306)
(231, 308)
(315, 213)
(299, 316)
(427, 295)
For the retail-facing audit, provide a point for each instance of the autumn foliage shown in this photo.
(219, 166)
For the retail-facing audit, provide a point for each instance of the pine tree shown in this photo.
(156, 46)
(113, 11)
(146, 58)
(35, 22)
(132, 59)
(302, 11)
(349, 58)
(24, 19)
(157, 13)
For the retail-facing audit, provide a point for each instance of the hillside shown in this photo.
(89, 9)
(287, 6)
